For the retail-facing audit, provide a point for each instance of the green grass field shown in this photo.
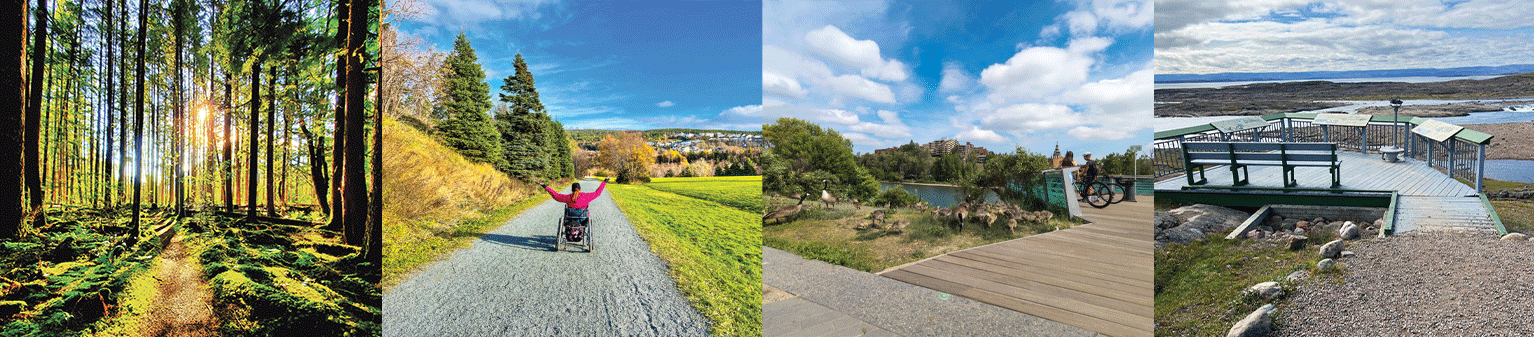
(739, 192)
(714, 249)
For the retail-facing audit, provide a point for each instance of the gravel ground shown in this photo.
(897, 306)
(1420, 284)
(511, 283)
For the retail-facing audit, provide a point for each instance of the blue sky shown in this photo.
(616, 64)
(1204, 36)
(997, 74)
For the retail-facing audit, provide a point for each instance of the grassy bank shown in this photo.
(1516, 215)
(713, 249)
(739, 192)
(830, 235)
(435, 201)
(1198, 285)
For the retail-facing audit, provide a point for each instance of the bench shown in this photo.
(1239, 155)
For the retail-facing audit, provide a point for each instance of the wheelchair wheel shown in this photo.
(1098, 195)
(589, 237)
(559, 236)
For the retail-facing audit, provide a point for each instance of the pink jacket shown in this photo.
(580, 202)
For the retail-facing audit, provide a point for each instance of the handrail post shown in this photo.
(1451, 158)
(1430, 157)
(1326, 134)
(1363, 139)
(1480, 168)
(1288, 131)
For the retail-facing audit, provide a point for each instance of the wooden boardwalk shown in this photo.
(1097, 276)
(1360, 171)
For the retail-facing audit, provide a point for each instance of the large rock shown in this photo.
(1297, 276)
(1164, 221)
(1332, 250)
(1181, 235)
(1266, 290)
(1256, 324)
(1208, 218)
(1297, 242)
(1348, 231)
(1325, 264)
(1255, 235)
(1514, 236)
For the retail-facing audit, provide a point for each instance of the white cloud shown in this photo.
(1031, 117)
(1036, 72)
(977, 134)
(1081, 23)
(775, 84)
(1126, 96)
(665, 104)
(859, 87)
(863, 55)
(1098, 133)
(470, 13)
(954, 78)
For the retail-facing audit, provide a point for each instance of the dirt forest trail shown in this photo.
(511, 282)
(183, 308)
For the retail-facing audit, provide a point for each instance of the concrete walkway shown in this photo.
(812, 298)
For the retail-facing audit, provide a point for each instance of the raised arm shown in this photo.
(556, 195)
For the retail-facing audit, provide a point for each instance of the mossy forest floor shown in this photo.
(80, 275)
(831, 234)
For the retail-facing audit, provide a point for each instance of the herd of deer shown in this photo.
(984, 213)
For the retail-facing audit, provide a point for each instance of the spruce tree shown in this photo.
(465, 102)
(533, 143)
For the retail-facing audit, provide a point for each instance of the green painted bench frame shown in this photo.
(1239, 155)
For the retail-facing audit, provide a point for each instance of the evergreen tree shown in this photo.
(466, 99)
(533, 143)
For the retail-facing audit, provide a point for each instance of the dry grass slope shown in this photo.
(435, 200)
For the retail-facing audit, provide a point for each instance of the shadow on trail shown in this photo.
(539, 242)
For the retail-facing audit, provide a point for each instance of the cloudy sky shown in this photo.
(1204, 36)
(1000, 75)
(617, 64)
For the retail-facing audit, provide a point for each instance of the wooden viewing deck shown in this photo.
(1097, 276)
(1427, 198)
(1360, 171)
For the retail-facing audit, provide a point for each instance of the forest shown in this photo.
(191, 167)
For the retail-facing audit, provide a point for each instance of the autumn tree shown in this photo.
(627, 155)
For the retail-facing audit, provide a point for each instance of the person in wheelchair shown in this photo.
(576, 202)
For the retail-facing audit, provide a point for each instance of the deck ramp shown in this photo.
(1438, 213)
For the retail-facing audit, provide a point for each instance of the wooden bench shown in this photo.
(1239, 155)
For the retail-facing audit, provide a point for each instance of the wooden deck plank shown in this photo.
(1359, 171)
(1097, 276)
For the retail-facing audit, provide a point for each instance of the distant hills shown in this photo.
(594, 135)
(1311, 75)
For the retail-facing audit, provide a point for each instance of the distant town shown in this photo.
(687, 142)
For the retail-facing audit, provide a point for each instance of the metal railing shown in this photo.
(1460, 156)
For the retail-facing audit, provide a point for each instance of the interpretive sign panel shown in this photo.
(1238, 124)
(1435, 130)
(1342, 119)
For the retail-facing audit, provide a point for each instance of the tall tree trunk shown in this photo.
(138, 119)
(111, 85)
(228, 163)
(338, 160)
(356, 180)
(178, 189)
(375, 225)
(287, 146)
(13, 81)
(34, 111)
(255, 131)
(271, 126)
(316, 155)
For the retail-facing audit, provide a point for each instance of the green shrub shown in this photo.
(895, 197)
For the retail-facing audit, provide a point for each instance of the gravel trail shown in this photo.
(511, 283)
(1420, 284)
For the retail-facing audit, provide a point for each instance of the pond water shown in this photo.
(1510, 170)
(936, 195)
